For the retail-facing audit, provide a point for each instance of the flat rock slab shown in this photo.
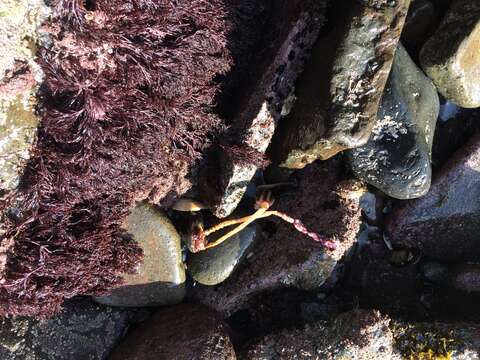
(160, 278)
(183, 332)
(326, 203)
(396, 159)
(83, 330)
(451, 56)
(445, 224)
(339, 92)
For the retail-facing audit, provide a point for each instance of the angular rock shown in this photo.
(358, 335)
(450, 57)
(296, 25)
(213, 266)
(160, 279)
(397, 157)
(183, 332)
(19, 79)
(339, 92)
(445, 224)
(83, 330)
(327, 204)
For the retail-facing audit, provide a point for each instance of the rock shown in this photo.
(358, 335)
(466, 277)
(435, 272)
(213, 266)
(372, 207)
(340, 89)
(183, 332)
(281, 257)
(444, 224)
(82, 331)
(450, 57)
(160, 280)
(296, 27)
(397, 157)
(19, 78)
(421, 20)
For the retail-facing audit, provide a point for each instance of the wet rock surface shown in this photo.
(397, 157)
(83, 330)
(213, 266)
(183, 332)
(340, 89)
(326, 203)
(450, 56)
(445, 223)
(160, 279)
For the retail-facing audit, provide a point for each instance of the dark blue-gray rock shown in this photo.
(339, 91)
(372, 207)
(213, 266)
(451, 56)
(160, 279)
(466, 277)
(83, 330)
(435, 272)
(396, 159)
(182, 332)
(444, 224)
(420, 22)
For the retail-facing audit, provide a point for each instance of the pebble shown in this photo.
(160, 279)
(340, 90)
(396, 159)
(213, 266)
(451, 56)
(183, 332)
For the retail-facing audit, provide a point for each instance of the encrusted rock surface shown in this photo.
(160, 278)
(184, 332)
(326, 203)
(339, 92)
(397, 157)
(450, 57)
(444, 224)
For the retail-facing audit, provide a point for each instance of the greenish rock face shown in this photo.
(213, 266)
(160, 279)
(397, 157)
(451, 56)
(19, 77)
(339, 92)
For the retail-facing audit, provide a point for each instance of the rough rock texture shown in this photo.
(445, 224)
(160, 278)
(362, 335)
(183, 332)
(450, 57)
(213, 266)
(292, 30)
(81, 331)
(397, 157)
(19, 78)
(327, 204)
(339, 92)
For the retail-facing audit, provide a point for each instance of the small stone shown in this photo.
(451, 56)
(213, 266)
(466, 277)
(371, 205)
(183, 332)
(435, 272)
(354, 335)
(396, 159)
(160, 279)
(327, 204)
(339, 91)
(421, 20)
(259, 115)
(83, 330)
(445, 223)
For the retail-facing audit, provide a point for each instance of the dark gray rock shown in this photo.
(435, 272)
(450, 57)
(420, 22)
(213, 266)
(339, 91)
(444, 224)
(183, 332)
(160, 279)
(396, 159)
(466, 277)
(83, 330)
